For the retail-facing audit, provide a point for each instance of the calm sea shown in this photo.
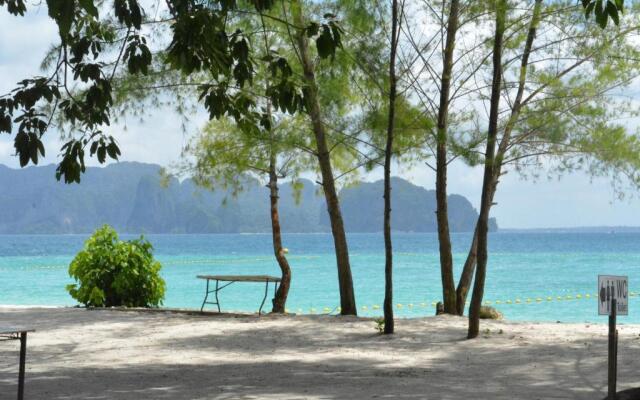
(531, 276)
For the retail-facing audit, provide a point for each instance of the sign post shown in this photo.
(612, 370)
(613, 300)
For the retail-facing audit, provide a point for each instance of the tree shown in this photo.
(312, 104)
(562, 111)
(224, 155)
(469, 94)
(485, 204)
(442, 155)
(388, 153)
(444, 97)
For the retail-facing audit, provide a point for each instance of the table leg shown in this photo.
(23, 354)
(217, 301)
(266, 293)
(206, 295)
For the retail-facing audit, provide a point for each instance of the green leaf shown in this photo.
(15, 7)
(63, 13)
(612, 10)
(89, 7)
(588, 10)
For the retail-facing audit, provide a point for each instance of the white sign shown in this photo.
(613, 287)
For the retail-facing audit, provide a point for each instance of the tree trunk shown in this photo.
(444, 238)
(470, 263)
(280, 299)
(467, 274)
(485, 203)
(345, 281)
(388, 152)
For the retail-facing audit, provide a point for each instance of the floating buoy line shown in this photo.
(425, 304)
(171, 262)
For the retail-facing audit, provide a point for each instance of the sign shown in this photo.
(613, 287)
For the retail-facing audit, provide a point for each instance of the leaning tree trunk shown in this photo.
(485, 203)
(470, 263)
(467, 274)
(442, 214)
(280, 299)
(345, 281)
(388, 152)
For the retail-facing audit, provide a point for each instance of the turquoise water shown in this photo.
(529, 267)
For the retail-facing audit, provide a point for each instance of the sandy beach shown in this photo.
(82, 354)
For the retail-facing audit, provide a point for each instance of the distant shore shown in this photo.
(78, 354)
(576, 229)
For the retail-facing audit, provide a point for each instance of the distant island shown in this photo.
(130, 197)
(577, 229)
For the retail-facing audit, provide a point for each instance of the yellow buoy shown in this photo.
(588, 296)
(508, 301)
(578, 296)
(399, 305)
(569, 297)
(365, 308)
(410, 305)
(376, 307)
(518, 301)
(326, 309)
(549, 298)
(285, 250)
(559, 297)
(498, 302)
(287, 311)
(528, 300)
(423, 304)
(487, 303)
(433, 303)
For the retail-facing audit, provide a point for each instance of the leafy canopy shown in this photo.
(98, 40)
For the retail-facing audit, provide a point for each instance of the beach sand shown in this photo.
(104, 354)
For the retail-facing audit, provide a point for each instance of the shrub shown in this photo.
(487, 312)
(110, 272)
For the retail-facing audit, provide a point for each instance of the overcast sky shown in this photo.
(574, 200)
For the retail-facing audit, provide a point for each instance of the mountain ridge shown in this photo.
(131, 197)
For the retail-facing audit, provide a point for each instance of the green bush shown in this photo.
(111, 272)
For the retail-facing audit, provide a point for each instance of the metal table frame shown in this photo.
(21, 335)
(230, 279)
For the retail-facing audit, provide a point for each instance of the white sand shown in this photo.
(84, 354)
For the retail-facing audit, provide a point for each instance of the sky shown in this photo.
(572, 201)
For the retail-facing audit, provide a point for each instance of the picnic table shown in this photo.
(230, 279)
(16, 333)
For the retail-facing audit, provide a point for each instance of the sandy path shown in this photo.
(81, 354)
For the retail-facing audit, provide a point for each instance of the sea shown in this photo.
(531, 276)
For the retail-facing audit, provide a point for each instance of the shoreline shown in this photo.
(241, 313)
